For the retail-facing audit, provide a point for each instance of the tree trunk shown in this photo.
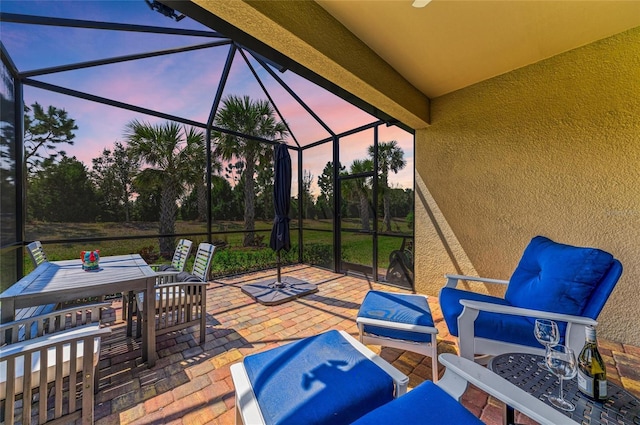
(202, 201)
(249, 201)
(168, 210)
(387, 210)
(364, 211)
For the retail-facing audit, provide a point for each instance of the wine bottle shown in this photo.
(592, 373)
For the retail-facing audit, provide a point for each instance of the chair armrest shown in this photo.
(460, 371)
(452, 280)
(574, 335)
(518, 311)
(396, 326)
(166, 277)
(400, 380)
(57, 338)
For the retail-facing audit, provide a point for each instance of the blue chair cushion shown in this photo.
(426, 403)
(318, 380)
(502, 327)
(399, 308)
(556, 277)
(166, 268)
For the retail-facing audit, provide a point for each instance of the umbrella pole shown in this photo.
(279, 279)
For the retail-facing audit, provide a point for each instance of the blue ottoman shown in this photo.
(401, 321)
(327, 378)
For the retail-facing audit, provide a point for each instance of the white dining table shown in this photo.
(60, 281)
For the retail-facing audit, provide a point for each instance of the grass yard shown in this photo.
(231, 258)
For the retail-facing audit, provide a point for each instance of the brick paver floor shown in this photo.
(191, 384)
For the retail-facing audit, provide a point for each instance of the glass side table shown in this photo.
(522, 370)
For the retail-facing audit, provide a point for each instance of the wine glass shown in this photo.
(547, 334)
(561, 361)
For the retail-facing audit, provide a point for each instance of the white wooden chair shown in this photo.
(58, 351)
(179, 260)
(37, 254)
(181, 298)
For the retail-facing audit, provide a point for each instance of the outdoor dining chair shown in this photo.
(37, 254)
(564, 283)
(179, 260)
(181, 299)
(59, 351)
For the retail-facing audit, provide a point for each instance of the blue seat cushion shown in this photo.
(399, 308)
(501, 327)
(556, 277)
(318, 380)
(426, 403)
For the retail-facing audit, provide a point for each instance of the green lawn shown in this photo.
(232, 258)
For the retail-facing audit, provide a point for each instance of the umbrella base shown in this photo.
(271, 292)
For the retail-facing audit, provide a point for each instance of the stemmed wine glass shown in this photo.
(547, 334)
(561, 361)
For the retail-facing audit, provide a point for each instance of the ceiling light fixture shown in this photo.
(420, 3)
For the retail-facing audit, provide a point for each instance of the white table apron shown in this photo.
(60, 281)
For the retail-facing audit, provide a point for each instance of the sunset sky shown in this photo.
(181, 84)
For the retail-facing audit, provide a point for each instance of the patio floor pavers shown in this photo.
(191, 384)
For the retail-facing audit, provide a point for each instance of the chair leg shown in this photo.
(434, 357)
(139, 323)
(127, 306)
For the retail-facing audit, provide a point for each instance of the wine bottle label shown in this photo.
(602, 386)
(585, 383)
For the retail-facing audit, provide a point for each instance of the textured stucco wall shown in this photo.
(550, 149)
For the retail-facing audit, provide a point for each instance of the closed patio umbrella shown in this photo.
(280, 234)
(271, 292)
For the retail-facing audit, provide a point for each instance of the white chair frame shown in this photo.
(67, 352)
(425, 348)
(459, 373)
(469, 345)
(37, 254)
(247, 408)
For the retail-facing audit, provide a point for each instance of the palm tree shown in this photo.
(253, 118)
(170, 151)
(390, 158)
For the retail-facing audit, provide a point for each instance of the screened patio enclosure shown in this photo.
(89, 87)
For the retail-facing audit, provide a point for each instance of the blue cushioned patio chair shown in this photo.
(439, 403)
(564, 283)
(340, 392)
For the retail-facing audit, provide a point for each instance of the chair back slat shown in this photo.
(202, 263)
(36, 253)
(181, 254)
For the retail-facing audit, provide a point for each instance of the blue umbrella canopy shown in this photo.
(280, 235)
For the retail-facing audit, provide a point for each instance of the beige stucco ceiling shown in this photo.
(451, 44)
